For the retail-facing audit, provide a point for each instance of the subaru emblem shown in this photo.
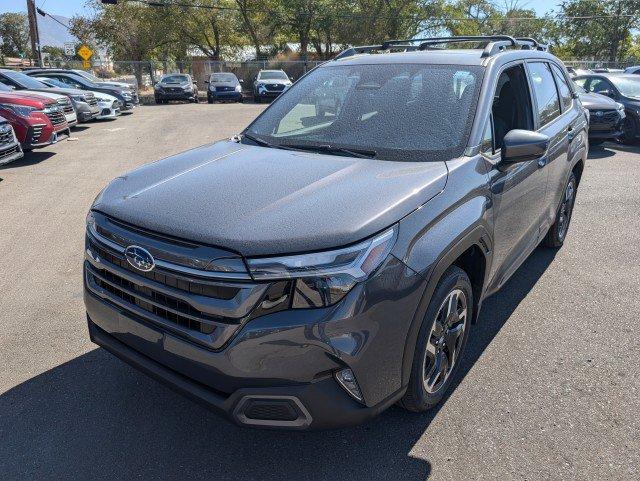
(599, 113)
(139, 258)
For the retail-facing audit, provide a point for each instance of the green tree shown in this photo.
(606, 37)
(14, 33)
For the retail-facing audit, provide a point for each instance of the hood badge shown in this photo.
(139, 258)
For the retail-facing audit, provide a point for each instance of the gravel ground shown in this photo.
(549, 387)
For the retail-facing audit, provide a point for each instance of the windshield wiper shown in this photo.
(329, 149)
(258, 141)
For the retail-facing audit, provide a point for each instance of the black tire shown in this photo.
(256, 98)
(596, 142)
(209, 99)
(558, 231)
(630, 130)
(158, 101)
(418, 398)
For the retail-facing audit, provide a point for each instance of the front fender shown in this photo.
(433, 237)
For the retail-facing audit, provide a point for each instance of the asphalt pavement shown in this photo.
(548, 389)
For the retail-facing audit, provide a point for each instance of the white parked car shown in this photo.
(109, 106)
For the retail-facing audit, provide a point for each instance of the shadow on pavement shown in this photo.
(96, 418)
(30, 158)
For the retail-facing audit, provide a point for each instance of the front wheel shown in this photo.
(558, 231)
(630, 130)
(441, 341)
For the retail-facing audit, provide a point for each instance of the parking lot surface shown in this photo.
(548, 389)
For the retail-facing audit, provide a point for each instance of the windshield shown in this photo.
(273, 75)
(414, 112)
(629, 87)
(56, 82)
(223, 77)
(174, 79)
(24, 80)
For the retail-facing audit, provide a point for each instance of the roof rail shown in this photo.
(372, 48)
(531, 43)
(492, 44)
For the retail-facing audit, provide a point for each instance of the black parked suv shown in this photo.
(319, 267)
(624, 89)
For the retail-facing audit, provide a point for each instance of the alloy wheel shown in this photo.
(445, 341)
(566, 208)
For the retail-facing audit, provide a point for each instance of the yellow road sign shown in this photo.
(86, 64)
(85, 52)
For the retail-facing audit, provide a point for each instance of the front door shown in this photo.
(518, 189)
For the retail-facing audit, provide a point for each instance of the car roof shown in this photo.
(629, 76)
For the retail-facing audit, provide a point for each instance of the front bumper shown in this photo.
(226, 95)
(10, 153)
(87, 112)
(183, 95)
(288, 357)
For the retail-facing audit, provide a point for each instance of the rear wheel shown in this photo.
(441, 341)
(558, 231)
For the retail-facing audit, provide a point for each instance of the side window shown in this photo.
(582, 82)
(511, 107)
(544, 89)
(563, 87)
(9, 82)
(486, 145)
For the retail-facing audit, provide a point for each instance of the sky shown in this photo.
(68, 8)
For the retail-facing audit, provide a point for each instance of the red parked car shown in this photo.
(37, 121)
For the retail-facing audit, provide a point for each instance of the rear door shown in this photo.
(556, 123)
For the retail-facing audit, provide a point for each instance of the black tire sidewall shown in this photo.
(453, 278)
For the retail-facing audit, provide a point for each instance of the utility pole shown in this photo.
(33, 32)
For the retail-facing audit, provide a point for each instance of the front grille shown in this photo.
(221, 88)
(603, 116)
(163, 306)
(92, 101)
(167, 279)
(6, 137)
(65, 105)
(275, 87)
(56, 117)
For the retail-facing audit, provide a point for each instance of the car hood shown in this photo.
(274, 81)
(121, 85)
(103, 97)
(66, 91)
(596, 101)
(42, 93)
(259, 201)
(224, 84)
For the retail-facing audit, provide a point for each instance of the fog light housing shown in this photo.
(347, 379)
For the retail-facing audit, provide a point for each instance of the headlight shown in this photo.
(157, 87)
(188, 88)
(238, 88)
(619, 106)
(51, 109)
(79, 98)
(19, 110)
(126, 95)
(323, 278)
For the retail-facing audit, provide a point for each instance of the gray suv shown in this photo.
(329, 262)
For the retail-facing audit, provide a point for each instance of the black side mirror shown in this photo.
(206, 81)
(241, 81)
(523, 145)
